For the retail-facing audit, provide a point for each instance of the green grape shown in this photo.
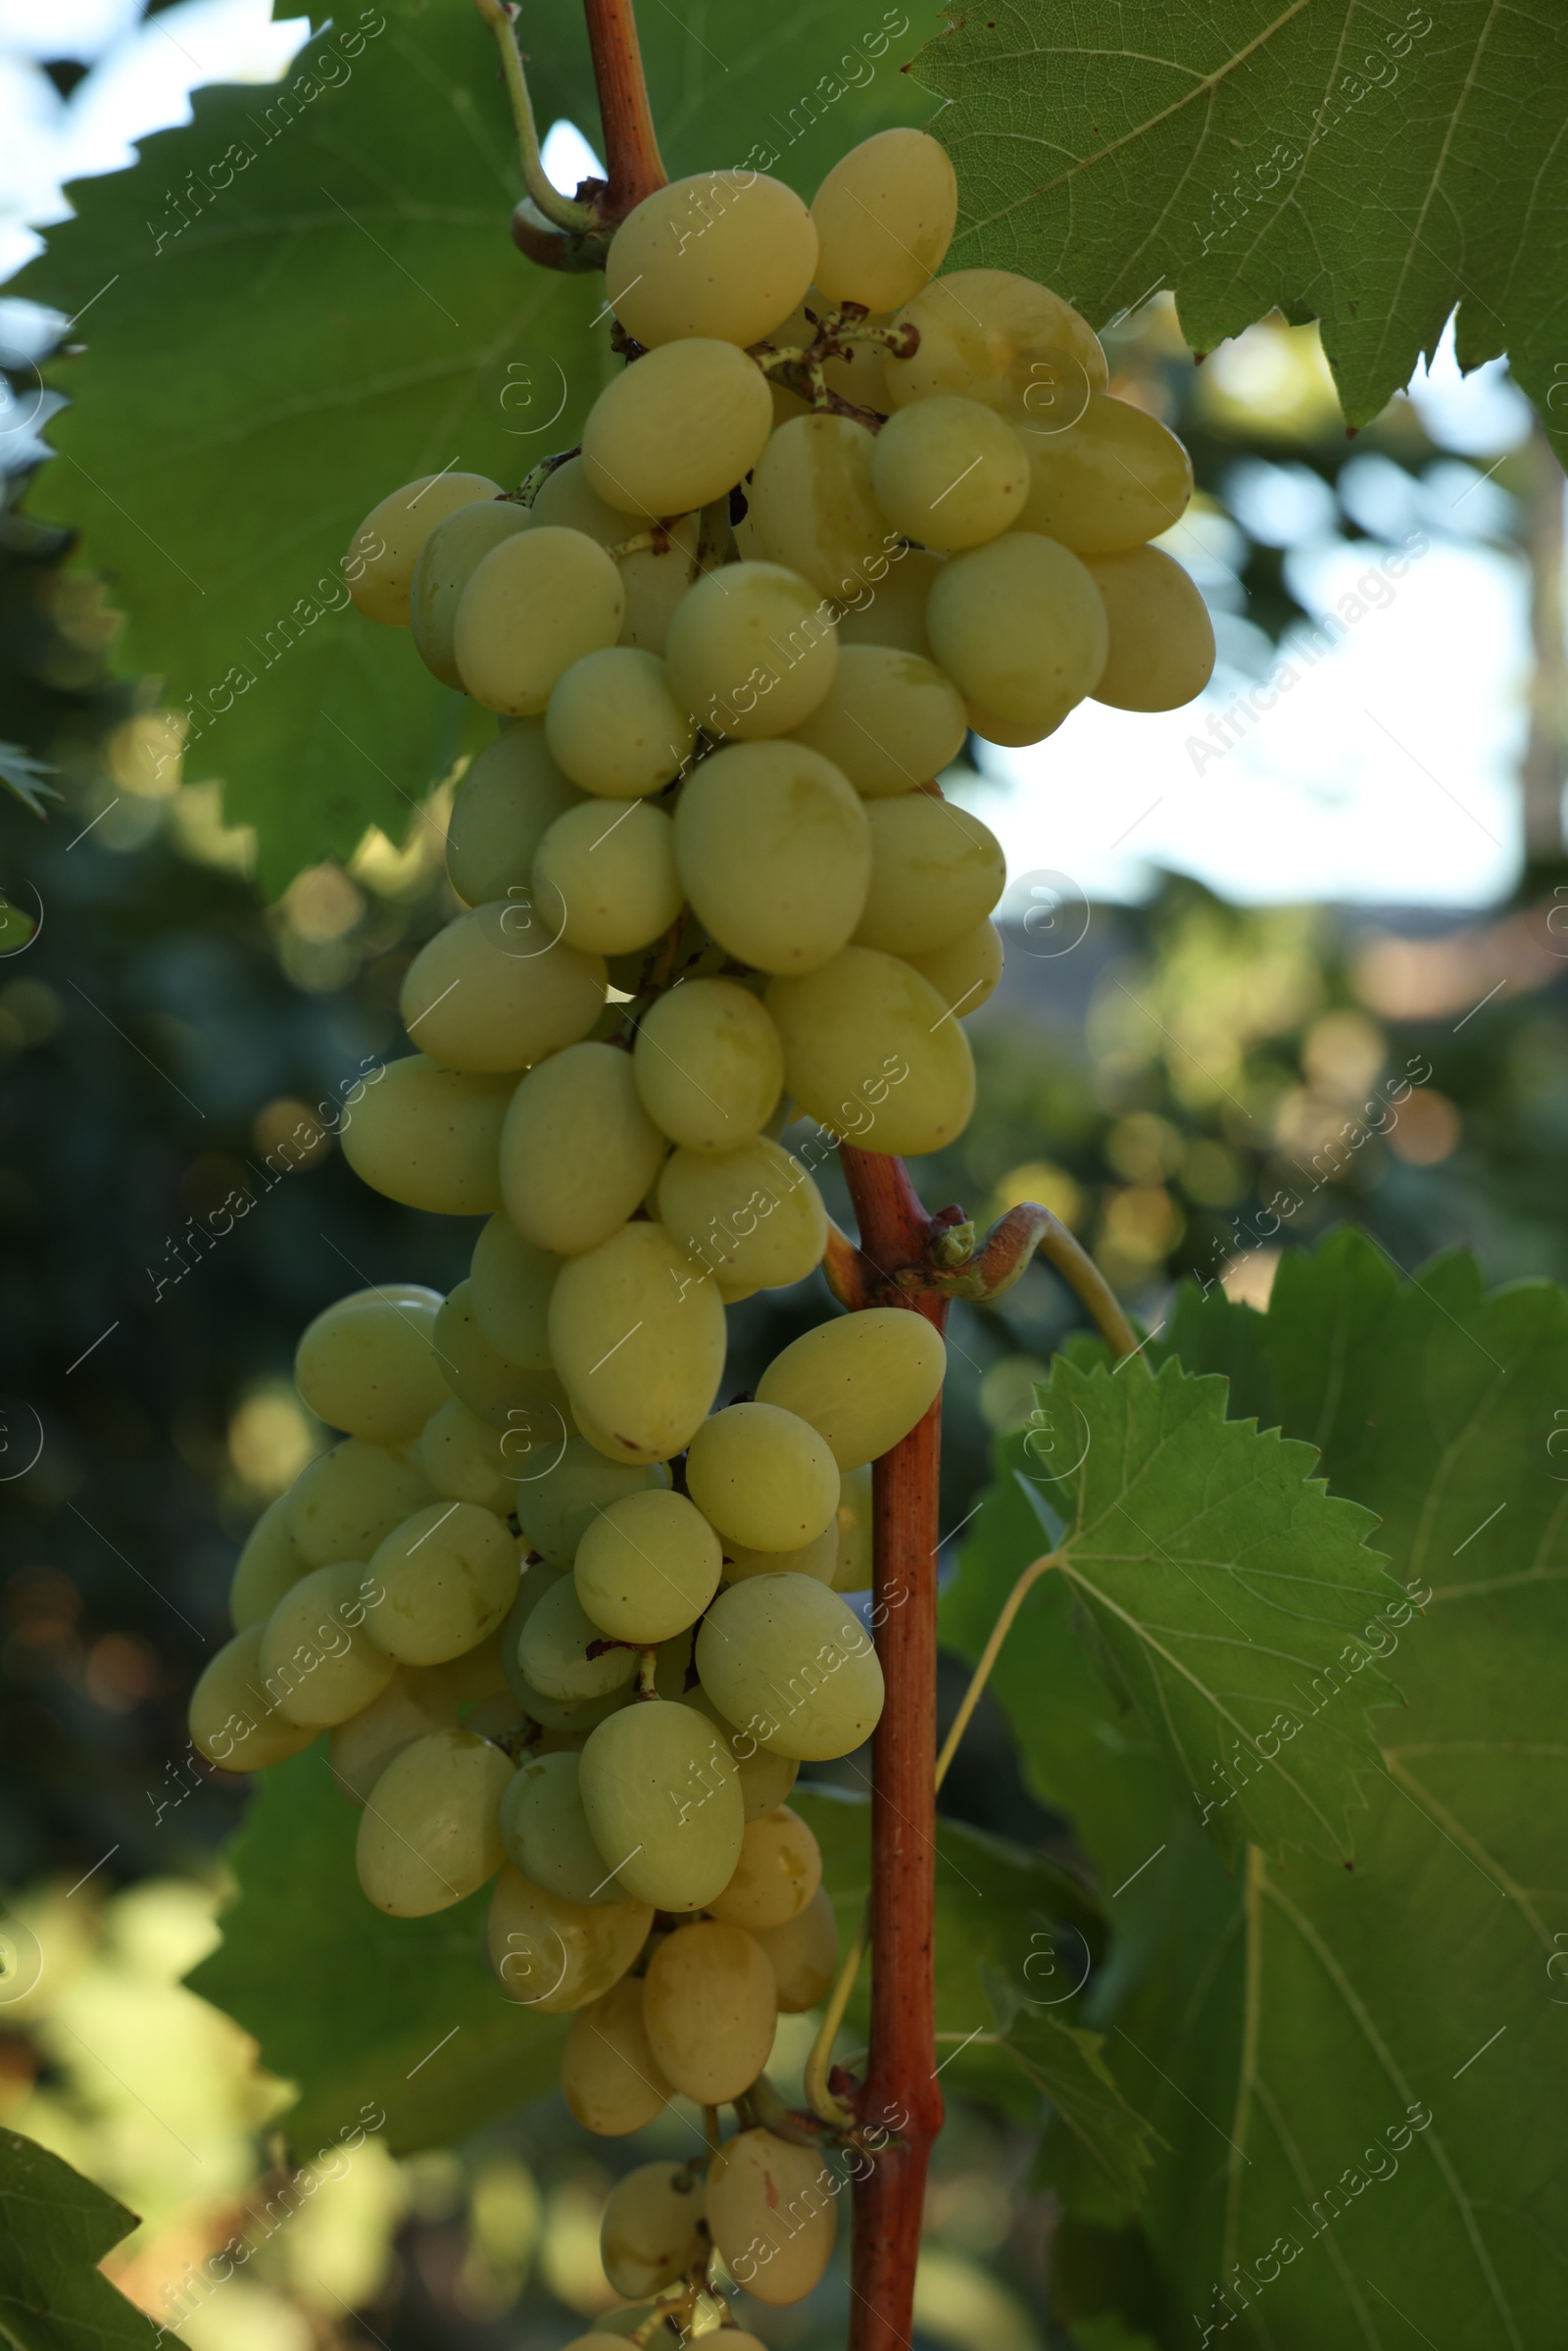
(853, 1560)
(412, 1706)
(450, 1574)
(578, 1151)
(774, 853)
(778, 1873)
(662, 1796)
(446, 564)
(751, 649)
(817, 1558)
(885, 215)
(615, 726)
(765, 1780)
(1162, 637)
(430, 1137)
(992, 729)
(383, 551)
(510, 1282)
(653, 579)
(497, 989)
(709, 2008)
(708, 1064)
(532, 606)
(233, 1722)
(570, 1486)
(862, 1380)
(949, 472)
(936, 871)
(772, 2212)
(554, 1956)
(345, 1502)
(763, 1476)
(318, 1664)
(869, 1052)
(267, 1564)
(788, 1663)
(506, 1395)
(803, 1955)
(1111, 480)
(648, 1567)
(964, 973)
(652, 2232)
(609, 2077)
(720, 254)
(811, 506)
(480, 1672)
(992, 335)
(429, 1833)
(501, 811)
(639, 1337)
(364, 1365)
(893, 720)
(545, 1830)
(605, 876)
(1020, 628)
(676, 432)
(889, 609)
(461, 1454)
(555, 1650)
(753, 1216)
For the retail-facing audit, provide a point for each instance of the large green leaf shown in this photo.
(55, 2229)
(1363, 161)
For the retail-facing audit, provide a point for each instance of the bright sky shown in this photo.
(1382, 772)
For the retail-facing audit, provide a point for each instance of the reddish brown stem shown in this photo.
(631, 145)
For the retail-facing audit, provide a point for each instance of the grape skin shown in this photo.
(365, 1366)
(347, 1501)
(662, 1798)
(427, 1136)
(789, 1663)
(578, 1150)
(428, 1835)
(378, 567)
(609, 2077)
(1021, 627)
(751, 651)
(752, 1214)
(495, 990)
(862, 1380)
(892, 719)
(709, 2006)
(720, 254)
(885, 217)
(639, 1339)
(447, 562)
(708, 1064)
(509, 1283)
(501, 811)
(763, 1476)
(936, 871)
(267, 1564)
(774, 853)
(615, 727)
(674, 432)
(865, 1029)
(1162, 637)
(949, 472)
(605, 874)
(648, 1567)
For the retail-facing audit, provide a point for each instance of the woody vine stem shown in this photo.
(904, 1257)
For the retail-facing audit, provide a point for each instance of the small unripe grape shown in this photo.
(1162, 637)
(774, 853)
(554, 1650)
(267, 1565)
(790, 1663)
(554, 1956)
(762, 1476)
(546, 1833)
(1114, 479)
(605, 874)
(652, 2232)
(648, 1567)
(429, 1833)
(639, 1339)
(501, 811)
(779, 1870)
(803, 1955)
(578, 1151)
(532, 606)
(854, 1559)
(497, 990)
(891, 721)
(862, 1380)
(412, 1706)
(1021, 627)
(752, 1214)
(885, 215)
(318, 1661)
(510, 1285)
(609, 2077)
(676, 430)
(430, 1137)
(233, 1722)
(949, 471)
(345, 1502)
(773, 2213)
(869, 1052)
(721, 254)
(711, 2007)
(810, 505)
(447, 562)
(708, 1064)
(615, 727)
(936, 871)
(364, 1365)
(994, 337)
(662, 1798)
(964, 973)
(751, 651)
(383, 553)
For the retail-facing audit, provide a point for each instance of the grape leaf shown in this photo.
(1362, 162)
(55, 2229)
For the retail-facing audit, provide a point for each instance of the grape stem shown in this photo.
(563, 212)
(565, 232)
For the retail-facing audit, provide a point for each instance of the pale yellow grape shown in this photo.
(615, 727)
(652, 579)
(751, 651)
(486, 1380)
(1013, 732)
(936, 871)
(964, 973)
(1020, 628)
(546, 1833)
(762, 1476)
(862, 1380)
(892, 721)
(788, 1663)
(765, 1780)
(885, 217)
(449, 1574)
(609, 2077)
(651, 2230)
(708, 1064)
(772, 2212)
(774, 853)
(344, 1501)
(412, 1706)
(479, 1673)
(720, 254)
(994, 337)
(497, 989)
(510, 1282)
(501, 811)
(817, 1558)
(1113, 480)
(709, 2007)
(318, 1664)
(430, 1137)
(662, 1792)
(447, 562)
(383, 551)
(556, 1645)
(232, 1720)
(364, 1365)
(575, 1717)
(269, 1563)
(554, 1956)
(605, 876)
(869, 1053)
(809, 504)
(648, 1567)
(429, 1833)
(949, 472)
(578, 1151)
(779, 1870)
(639, 1338)
(1162, 637)
(753, 1216)
(890, 608)
(676, 430)
(803, 1955)
(556, 1509)
(532, 606)
(854, 1562)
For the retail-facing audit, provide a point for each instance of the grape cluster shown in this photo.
(572, 1625)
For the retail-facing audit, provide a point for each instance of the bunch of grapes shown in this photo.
(571, 1628)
